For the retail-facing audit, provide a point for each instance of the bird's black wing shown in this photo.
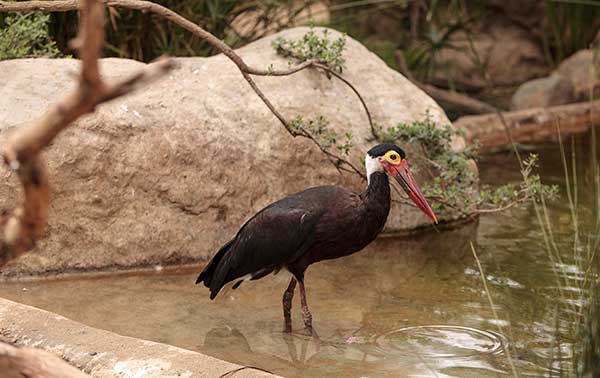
(275, 236)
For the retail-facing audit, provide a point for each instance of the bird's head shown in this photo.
(388, 157)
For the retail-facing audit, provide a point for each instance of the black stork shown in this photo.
(320, 223)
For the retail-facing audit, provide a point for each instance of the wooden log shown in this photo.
(529, 126)
(34, 363)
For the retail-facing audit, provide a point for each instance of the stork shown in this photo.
(320, 223)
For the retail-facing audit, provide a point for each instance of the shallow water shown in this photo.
(418, 310)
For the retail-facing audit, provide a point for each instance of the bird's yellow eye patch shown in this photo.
(393, 157)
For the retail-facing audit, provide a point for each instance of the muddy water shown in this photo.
(402, 308)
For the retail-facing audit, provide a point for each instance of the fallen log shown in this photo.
(529, 126)
(34, 363)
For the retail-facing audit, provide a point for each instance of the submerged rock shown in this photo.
(168, 174)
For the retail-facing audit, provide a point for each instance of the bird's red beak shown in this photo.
(402, 174)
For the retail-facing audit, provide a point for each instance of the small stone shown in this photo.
(15, 165)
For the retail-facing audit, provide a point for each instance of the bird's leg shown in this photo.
(306, 315)
(287, 305)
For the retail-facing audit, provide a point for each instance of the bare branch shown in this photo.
(29, 362)
(460, 101)
(364, 104)
(24, 225)
(44, 6)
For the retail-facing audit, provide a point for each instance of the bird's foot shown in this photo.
(310, 331)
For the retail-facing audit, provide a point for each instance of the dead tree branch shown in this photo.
(246, 71)
(34, 363)
(457, 100)
(529, 126)
(24, 225)
(362, 101)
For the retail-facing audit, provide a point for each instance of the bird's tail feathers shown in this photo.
(213, 275)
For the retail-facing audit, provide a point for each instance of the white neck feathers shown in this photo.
(372, 165)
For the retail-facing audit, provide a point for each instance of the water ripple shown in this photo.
(441, 341)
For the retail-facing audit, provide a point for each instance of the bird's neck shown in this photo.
(377, 193)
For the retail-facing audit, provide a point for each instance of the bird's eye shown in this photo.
(393, 158)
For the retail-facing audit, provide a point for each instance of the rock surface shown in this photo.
(577, 78)
(507, 53)
(105, 354)
(543, 92)
(583, 70)
(168, 174)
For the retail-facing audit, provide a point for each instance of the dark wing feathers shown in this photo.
(276, 235)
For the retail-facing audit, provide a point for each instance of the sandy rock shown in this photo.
(168, 174)
(547, 91)
(583, 70)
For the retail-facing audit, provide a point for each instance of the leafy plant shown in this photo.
(452, 177)
(313, 47)
(318, 130)
(531, 187)
(326, 52)
(26, 36)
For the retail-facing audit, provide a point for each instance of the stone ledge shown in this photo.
(105, 354)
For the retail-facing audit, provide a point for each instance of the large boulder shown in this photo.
(168, 174)
(582, 69)
(543, 92)
(577, 78)
(508, 54)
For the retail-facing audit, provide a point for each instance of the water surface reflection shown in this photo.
(412, 307)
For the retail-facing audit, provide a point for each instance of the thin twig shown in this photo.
(364, 104)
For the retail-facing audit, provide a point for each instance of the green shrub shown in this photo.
(25, 35)
(452, 177)
(313, 47)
